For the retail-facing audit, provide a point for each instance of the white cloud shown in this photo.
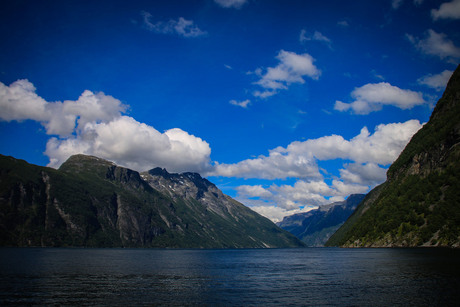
(231, 3)
(373, 96)
(275, 202)
(253, 191)
(368, 174)
(292, 68)
(381, 147)
(276, 165)
(94, 125)
(181, 26)
(438, 81)
(299, 159)
(448, 10)
(316, 36)
(369, 155)
(244, 104)
(130, 143)
(436, 44)
(302, 193)
(20, 102)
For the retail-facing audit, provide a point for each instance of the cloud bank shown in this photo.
(95, 125)
(299, 159)
(365, 158)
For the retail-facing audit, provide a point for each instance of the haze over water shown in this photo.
(310, 276)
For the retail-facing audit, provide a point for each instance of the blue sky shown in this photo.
(285, 105)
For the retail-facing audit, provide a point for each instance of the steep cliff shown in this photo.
(316, 226)
(93, 202)
(419, 204)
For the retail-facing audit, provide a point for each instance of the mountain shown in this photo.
(316, 226)
(419, 204)
(92, 202)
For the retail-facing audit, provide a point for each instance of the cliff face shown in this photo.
(419, 204)
(316, 226)
(93, 202)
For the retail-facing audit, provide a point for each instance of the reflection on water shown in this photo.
(311, 276)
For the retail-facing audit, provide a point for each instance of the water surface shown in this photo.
(298, 277)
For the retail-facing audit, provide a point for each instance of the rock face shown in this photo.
(93, 202)
(316, 226)
(419, 204)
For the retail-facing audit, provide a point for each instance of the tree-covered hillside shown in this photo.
(419, 204)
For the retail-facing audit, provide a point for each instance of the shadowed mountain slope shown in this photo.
(419, 204)
(93, 202)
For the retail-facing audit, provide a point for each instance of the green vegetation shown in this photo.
(419, 204)
(92, 202)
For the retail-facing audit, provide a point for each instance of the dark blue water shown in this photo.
(298, 277)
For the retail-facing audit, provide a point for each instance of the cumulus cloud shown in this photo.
(365, 160)
(368, 174)
(373, 96)
(274, 166)
(299, 159)
(436, 44)
(231, 3)
(244, 104)
(292, 68)
(94, 125)
(253, 191)
(447, 10)
(277, 201)
(438, 81)
(20, 102)
(135, 145)
(181, 26)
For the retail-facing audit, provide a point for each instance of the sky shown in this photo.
(284, 105)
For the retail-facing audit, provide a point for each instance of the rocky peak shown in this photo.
(81, 163)
(158, 171)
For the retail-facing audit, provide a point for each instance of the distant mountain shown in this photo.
(93, 202)
(316, 226)
(419, 204)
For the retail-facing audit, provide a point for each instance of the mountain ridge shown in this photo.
(316, 226)
(93, 202)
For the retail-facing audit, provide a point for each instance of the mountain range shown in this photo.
(316, 226)
(419, 203)
(92, 202)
